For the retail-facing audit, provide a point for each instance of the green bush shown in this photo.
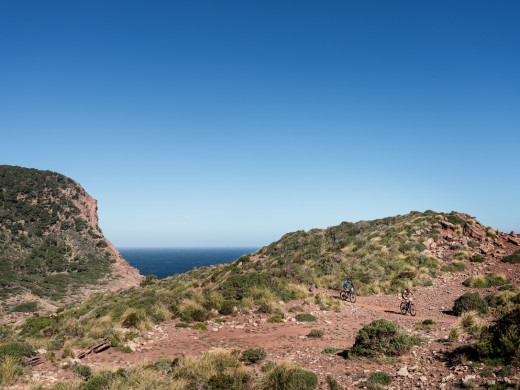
(489, 280)
(331, 350)
(83, 371)
(26, 307)
(513, 258)
(295, 309)
(477, 259)
(316, 334)
(150, 279)
(454, 267)
(182, 325)
(221, 381)
(332, 383)
(277, 318)
(379, 378)
(305, 317)
(254, 355)
(97, 383)
(227, 308)
(199, 326)
(288, 376)
(502, 340)
(126, 349)
(381, 338)
(132, 320)
(16, 350)
(468, 302)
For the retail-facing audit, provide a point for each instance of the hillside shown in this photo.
(51, 247)
(274, 317)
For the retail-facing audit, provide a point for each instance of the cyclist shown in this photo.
(407, 294)
(347, 285)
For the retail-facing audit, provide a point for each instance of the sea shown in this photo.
(164, 262)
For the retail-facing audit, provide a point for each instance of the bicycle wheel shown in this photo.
(412, 310)
(403, 308)
(352, 297)
(343, 295)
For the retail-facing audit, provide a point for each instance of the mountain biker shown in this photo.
(407, 294)
(347, 285)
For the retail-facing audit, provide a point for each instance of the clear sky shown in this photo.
(230, 123)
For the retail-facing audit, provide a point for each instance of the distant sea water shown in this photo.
(164, 262)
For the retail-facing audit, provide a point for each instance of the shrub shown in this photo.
(381, 338)
(182, 325)
(454, 267)
(199, 326)
(477, 259)
(489, 280)
(332, 383)
(221, 381)
(502, 340)
(379, 378)
(295, 308)
(96, 383)
(468, 302)
(305, 317)
(513, 258)
(316, 334)
(227, 307)
(275, 319)
(26, 307)
(126, 349)
(149, 280)
(83, 371)
(331, 350)
(254, 355)
(16, 350)
(132, 320)
(288, 376)
(427, 324)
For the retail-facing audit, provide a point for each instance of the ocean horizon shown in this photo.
(165, 262)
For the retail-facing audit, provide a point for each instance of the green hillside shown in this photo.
(380, 255)
(48, 247)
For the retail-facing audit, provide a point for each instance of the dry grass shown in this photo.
(9, 370)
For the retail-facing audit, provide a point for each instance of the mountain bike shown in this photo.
(348, 295)
(408, 307)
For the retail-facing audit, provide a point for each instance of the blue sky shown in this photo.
(230, 123)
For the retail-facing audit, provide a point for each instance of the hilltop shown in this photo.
(51, 246)
(234, 325)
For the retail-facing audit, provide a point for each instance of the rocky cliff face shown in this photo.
(51, 246)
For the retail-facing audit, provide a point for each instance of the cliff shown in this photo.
(51, 246)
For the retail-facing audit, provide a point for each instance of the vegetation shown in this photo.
(46, 247)
(502, 340)
(316, 334)
(382, 338)
(455, 266)
(377, 380)
(513, 258)
(288, 376)
(216, 370)
(468, 302)
(254, 355)
(477, 259)
(305, 317)
(489, 280)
